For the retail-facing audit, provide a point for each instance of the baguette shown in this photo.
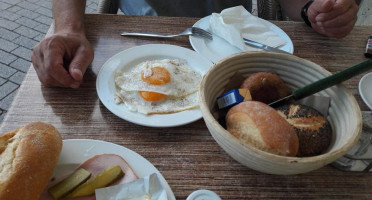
(28, 156)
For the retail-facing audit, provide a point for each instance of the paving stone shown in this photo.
(43, 19)
(13, 2)
(6, 57)
(92, 5)
(2, 115)
(21, 64)
(22, 52)
(7, 88)
(45, 11)
(2, 81)
(89, 10)
(8, 35)
(45, 4)
(7, 101)
(10, 25)
(9, 15)
(6, 71)
(4, 6)
(39, 37)
(7, 45)
(27, 5)
(14, 9)
(17, 77)
(28, 13)
(42, 28)
(25, 31)
(27, 22)
(25, 42)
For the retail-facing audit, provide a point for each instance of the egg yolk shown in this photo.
(151, 96)
(159, 76)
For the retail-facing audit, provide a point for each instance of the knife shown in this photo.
(263, 46)
(325, 82)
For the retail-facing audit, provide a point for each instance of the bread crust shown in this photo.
(257, 124)
(27, 159)
(313, 129)
(265, 87)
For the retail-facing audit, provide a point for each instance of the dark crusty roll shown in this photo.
(313, 129)
(257, 124)
(265, 87)
(27, 159)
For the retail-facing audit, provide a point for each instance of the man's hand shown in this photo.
(62, 59)
(335, 18)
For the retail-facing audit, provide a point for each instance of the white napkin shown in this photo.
(234, 23)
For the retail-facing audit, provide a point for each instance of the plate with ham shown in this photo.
(95, 155)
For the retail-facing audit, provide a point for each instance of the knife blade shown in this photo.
(325, 82)
(263, 46)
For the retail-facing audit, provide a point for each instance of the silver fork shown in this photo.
(190, 31)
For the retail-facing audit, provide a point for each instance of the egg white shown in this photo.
(184, 80)
(134, 102)
(181, 91)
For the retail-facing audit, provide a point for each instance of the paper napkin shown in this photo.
(232, 24)
(148, 187)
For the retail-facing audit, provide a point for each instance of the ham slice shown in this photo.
(96, 165)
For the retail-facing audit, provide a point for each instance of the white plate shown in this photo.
(218, 48)
(76, 151)
(131, 57)
(365, 89)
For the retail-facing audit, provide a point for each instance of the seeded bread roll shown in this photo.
(259, 125)
(27, 159)
(313, 129)
(265, 87)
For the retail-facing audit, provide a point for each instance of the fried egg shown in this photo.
(134, 102)
(158, 87)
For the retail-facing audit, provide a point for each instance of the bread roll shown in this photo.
(27, 159)
(265, 87)
(313, 129)
(257, 124)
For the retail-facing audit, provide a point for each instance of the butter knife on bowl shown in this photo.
(263, 46)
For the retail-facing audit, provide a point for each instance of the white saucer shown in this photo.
(218, 48)
(365, 89)
(203, 195)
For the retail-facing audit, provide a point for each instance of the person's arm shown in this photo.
(69, 15)
(61, 59)
(334, 18)
(292, 8)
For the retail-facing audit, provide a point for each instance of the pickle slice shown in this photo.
(68, 184)
(103, 179)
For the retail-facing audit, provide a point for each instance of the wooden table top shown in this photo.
(187, 156)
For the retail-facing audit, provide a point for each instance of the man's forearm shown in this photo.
(69, 15)
(292, 8)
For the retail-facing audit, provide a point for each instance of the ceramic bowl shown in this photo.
(365, 90)
(344, 113)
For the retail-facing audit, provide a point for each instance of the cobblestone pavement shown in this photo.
(23, 23)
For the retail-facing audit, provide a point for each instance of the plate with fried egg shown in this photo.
(153, 85)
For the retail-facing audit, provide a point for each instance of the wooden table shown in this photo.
(187, 156)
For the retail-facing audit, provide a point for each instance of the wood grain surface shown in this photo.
(187, 156)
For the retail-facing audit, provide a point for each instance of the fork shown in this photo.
(190, 31)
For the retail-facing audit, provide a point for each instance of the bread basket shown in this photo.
(344, 112)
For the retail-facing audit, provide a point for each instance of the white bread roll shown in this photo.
(27, 159)
(259, 125)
